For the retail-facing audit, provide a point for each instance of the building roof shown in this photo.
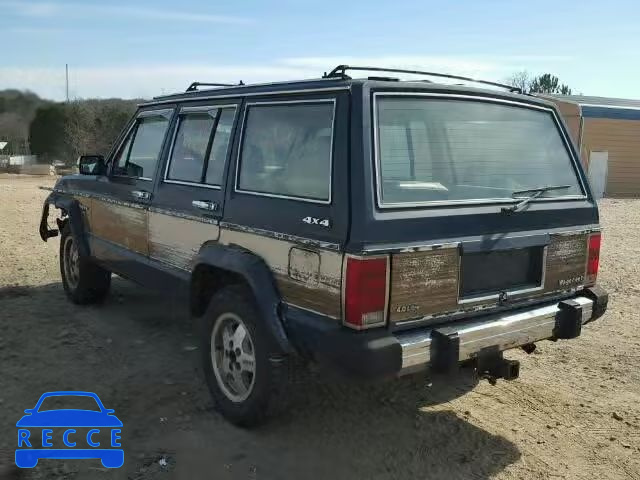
(603, 107)
(600, 101)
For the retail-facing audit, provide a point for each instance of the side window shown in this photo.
(220, 147)
(121, 158)
(287, 150)
(201, 146)
(190, 146)
(141, 158)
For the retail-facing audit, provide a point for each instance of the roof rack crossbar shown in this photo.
(194, 86)
(341, 71)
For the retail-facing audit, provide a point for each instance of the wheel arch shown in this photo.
(217, 266)
(71, 208)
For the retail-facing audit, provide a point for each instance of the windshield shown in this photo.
(65, 402)
(462, 150)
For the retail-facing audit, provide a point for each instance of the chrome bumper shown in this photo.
(501, 331)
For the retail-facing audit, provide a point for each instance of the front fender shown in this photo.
(71, 207)
(258, 276)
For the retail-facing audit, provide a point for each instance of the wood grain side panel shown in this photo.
(423, 283)
(86, 204)
(322, 300)
(176, 241)
(120, 224)
(566, 260)
(301, 281)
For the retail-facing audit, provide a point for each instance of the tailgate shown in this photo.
(466, 276)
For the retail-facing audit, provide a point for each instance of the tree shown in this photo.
(545, 83)
(62, 131)
(548, 83)
(521, 80)
(17, 109)
(93, 125)
(47, 133)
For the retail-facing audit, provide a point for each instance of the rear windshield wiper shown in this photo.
(535, 193)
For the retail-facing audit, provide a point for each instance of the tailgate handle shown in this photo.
(491, 244)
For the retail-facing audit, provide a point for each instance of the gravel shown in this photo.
(561, 419)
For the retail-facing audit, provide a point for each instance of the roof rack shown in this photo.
(341, 71)
(194, 86)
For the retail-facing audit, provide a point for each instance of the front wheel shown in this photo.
(84, 282)
(243, 380)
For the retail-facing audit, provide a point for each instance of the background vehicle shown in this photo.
(377, 227)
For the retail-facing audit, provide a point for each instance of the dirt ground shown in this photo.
(574, 413)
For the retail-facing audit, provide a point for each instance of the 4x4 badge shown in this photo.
(324, 222)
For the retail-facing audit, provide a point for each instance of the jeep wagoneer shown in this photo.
(375, 226)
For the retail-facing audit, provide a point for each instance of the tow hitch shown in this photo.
(491, 365)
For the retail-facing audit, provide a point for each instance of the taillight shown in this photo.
(593, 258)
(365, 292)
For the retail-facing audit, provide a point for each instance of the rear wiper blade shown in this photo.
(535, 193)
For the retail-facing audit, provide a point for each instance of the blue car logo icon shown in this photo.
(84, 433)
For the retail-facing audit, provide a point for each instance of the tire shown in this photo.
(233, 329)
(84, 282)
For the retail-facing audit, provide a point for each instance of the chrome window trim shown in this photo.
(485, 201)
(145, 179)
(185, 110)
(303, 241)
(274, 195)
(333, 317)
(162, 112)
(249, 94)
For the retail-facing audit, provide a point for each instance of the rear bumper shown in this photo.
(380, 353)
(462, 341)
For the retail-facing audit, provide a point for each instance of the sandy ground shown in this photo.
(574, 412)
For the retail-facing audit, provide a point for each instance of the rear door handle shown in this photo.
(204, 205)
(141, 195)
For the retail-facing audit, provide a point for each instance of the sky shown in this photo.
(145, 48)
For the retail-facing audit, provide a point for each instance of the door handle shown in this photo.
(204, 205)
(141, 195)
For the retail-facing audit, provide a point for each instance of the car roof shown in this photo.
(69, 393)
(339, 83)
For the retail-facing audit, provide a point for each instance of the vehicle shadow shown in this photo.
(137, 352)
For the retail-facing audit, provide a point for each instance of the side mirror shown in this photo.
(92, 165)
(29, 411)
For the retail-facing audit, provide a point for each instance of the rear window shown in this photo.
(463, 150)
(286, 150)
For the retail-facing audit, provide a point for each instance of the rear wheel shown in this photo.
(242, 378)
(84, 282)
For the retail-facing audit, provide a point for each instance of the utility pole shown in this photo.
(66, 74)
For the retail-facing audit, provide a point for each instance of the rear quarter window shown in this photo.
(287, 150)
